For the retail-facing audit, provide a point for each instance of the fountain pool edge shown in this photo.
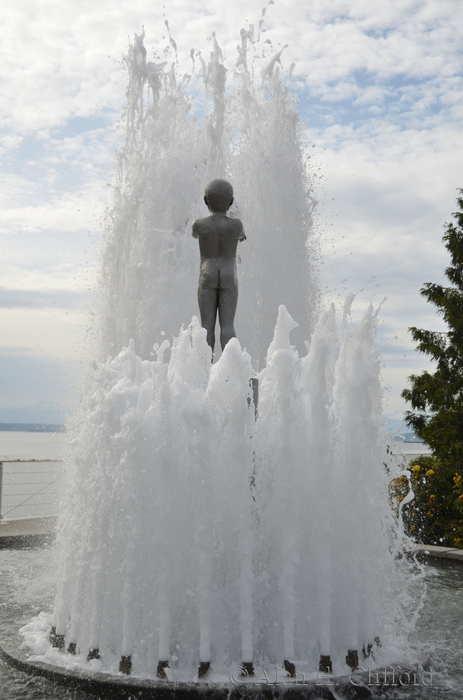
(354, 687)
(431, 551)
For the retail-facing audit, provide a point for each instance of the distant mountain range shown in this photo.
(43, 412)
(32, 428)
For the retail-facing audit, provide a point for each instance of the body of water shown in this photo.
(30, 489)
(25, 445)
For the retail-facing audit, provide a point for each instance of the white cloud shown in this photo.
(393, 190)
(56, 333)
(64, 212)
(385, 108)
(64, 277)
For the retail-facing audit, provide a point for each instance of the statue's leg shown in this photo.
(208, 302)
(227, 308)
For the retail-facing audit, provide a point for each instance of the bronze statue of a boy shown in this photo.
(218, 236)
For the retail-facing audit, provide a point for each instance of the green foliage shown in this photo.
(437, 398)
(435, 515)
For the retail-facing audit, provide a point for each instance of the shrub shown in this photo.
(435, 514)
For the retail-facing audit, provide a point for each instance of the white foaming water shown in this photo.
(192, 530)
(248, 134)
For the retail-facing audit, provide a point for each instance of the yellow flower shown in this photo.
(416, 468)
(457, 479)
(457, 539)
(430, 472)
(412, 527)
(431, 497)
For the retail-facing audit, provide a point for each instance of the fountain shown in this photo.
(206, 534)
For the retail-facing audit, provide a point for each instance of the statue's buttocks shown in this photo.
(218, 273)
(218, 237)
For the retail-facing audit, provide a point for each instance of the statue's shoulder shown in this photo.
(238, 228)
(236, 224)
(198, 226)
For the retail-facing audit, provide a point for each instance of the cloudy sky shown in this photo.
(380, 93)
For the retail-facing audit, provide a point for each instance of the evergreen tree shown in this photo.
(437, 398)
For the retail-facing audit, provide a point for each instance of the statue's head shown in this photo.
(218, 195)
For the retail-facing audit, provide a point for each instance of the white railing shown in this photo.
(29, 488)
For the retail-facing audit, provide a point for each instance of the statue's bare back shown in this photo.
(218, 237)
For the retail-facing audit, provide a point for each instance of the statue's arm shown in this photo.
(195, 229)
(242, 236)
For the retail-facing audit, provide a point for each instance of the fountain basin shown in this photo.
(360, 684)
(25, 587)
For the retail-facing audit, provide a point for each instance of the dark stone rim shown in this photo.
(120, 687)
(107, 686)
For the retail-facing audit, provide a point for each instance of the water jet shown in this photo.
(231, 515)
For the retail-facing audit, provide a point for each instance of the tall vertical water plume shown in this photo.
(249, 133)
(196, 531)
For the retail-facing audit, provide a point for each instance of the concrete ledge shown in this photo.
(30, 532)
(432, 551)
